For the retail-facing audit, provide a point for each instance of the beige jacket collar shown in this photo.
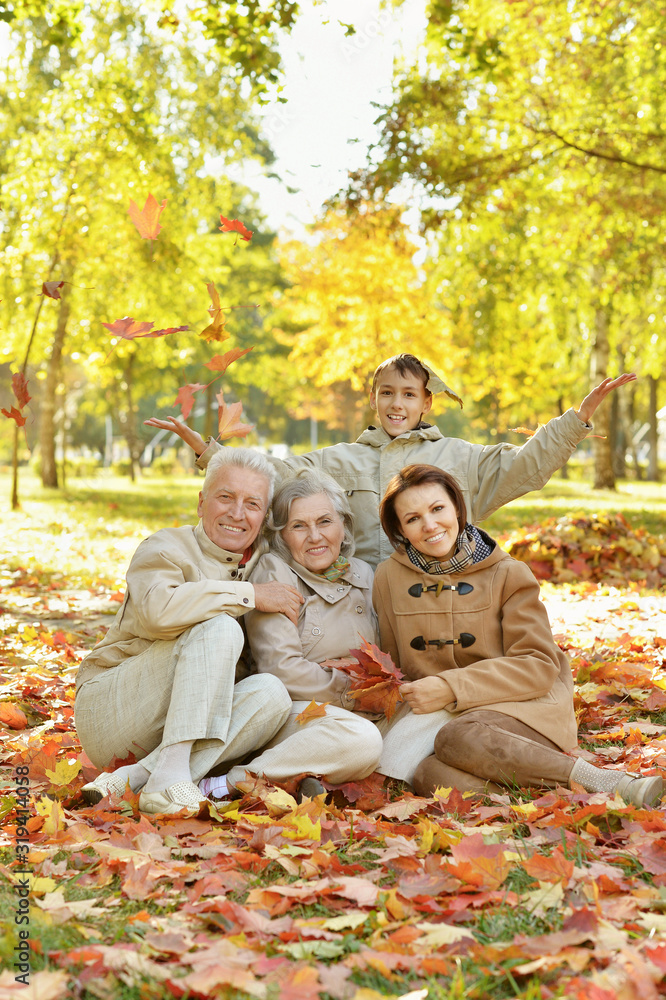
(376, 437)
(221, 555)
(325, 588)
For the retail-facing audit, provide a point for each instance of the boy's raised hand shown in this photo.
(190, 437)
(597, 396)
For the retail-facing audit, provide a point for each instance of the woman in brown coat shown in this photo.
(465, 623)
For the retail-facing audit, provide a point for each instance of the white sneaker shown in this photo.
(639, 791)
(106, 783)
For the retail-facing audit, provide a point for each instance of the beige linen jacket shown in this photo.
(489, 475)
(513, 667)
(177, 578)
(333, 619)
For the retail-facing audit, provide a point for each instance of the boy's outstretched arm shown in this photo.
(190, 437)
(586, 409)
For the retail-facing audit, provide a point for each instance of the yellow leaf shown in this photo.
(64, 772)
(302, 828)
(53, 814)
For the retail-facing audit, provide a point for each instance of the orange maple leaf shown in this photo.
(228, 419)
(215, 330)
(236, 226)
(375, 684)
(523, 430)
(185, 397)
(132, 329)
(146, 220)
(221, 362)
(313, 711)
(12, 716)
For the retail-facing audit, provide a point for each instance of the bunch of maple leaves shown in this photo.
(595, 547)
(148, 225)
(371, 891)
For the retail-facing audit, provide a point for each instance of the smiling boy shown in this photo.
(401, 395)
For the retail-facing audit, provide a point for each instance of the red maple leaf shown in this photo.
(14, 414)
(221, 362)
(131, 329)
(235, 226)
(20, 387)
(52, 289)
(147, 219)
(185, 397)
(228, 419)
(376, 680)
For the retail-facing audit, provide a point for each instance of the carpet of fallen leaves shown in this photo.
(372, 892)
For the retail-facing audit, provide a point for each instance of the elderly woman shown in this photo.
(487, 682)
(311, 542)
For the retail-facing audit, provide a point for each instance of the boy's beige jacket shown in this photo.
(513, 667)
(489, 475)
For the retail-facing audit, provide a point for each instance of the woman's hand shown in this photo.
(586, 409)
(190, 437)
(428, 694)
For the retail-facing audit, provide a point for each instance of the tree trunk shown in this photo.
(128, 419)
(604, 478)
(631, 428)
(47, 428)
(564, 470)
(653, 433)
(209, 428)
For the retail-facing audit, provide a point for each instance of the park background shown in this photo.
(481, 183)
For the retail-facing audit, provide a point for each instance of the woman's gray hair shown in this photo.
(242, 458)
(307, 483)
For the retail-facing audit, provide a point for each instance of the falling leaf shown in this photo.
(131, 329)
(228, 419)
(313, 711)
(235, 226)
(215, 330)
(523, 430)
(147, 220)
(20, 387)
(185, 397)
(52, 289)
(14, 414)
(221, 362)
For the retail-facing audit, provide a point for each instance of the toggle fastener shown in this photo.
(464, 639)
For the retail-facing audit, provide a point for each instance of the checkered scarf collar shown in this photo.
(472, 546)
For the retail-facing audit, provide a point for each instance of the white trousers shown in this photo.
(181, 690)
(340, 746)
(409, 739)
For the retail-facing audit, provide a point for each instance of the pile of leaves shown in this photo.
(368, 892)
(596, 547)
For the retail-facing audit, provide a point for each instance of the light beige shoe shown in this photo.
(106, 783)
(184, 796)
(639, 791)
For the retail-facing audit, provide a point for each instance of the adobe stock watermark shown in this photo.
(356, 43)
(278, 120)
(22, 873)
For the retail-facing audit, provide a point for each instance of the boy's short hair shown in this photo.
(404, 364)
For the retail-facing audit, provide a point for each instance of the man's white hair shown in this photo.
(241, 458)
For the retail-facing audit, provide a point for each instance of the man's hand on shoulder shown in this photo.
(278, 598)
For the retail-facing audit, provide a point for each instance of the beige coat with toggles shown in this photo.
(333, 620)
(513, 667)
(488, 475)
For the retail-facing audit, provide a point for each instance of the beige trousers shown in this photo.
(177, 691)
(340, 746)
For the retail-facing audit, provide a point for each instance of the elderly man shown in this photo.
(161, 684)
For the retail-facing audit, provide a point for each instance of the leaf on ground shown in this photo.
(147, 219)
(228, 419)
(313, 711)
(12, 716)
(236, 226)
